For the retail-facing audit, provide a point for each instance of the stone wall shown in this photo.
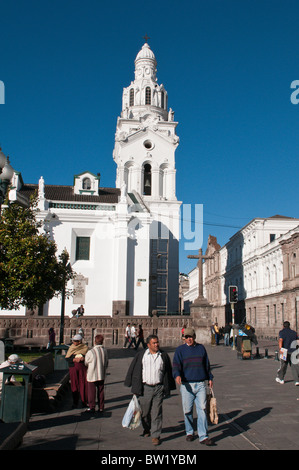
(168, 328)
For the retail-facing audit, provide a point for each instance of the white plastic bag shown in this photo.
(132, 416)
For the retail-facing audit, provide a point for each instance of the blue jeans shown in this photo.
(195, 392)
(226, 339)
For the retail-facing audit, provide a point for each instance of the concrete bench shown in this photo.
(30, 343)
(46, 396)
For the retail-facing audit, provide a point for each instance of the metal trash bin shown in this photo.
(16, 393)
(60, 363)
(244, 347)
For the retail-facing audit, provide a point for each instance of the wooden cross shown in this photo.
(200, 257)
(146, 38)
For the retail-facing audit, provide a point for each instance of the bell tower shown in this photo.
(145, 139)
(144, 152)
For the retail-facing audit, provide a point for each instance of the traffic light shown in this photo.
(233, 294)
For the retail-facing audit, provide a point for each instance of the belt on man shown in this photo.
(152, 385)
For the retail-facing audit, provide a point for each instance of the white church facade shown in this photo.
(122, 241)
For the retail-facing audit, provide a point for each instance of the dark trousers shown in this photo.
(283, 368)
(133, 341)
(96, 393)
(127, 340)
(141, 340)
(78, 382)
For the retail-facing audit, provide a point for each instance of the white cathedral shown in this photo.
(123, 241)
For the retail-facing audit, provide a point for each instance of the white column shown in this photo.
(155, 182)
(142, 267)
(119, 281)
(120, 176)
(170, 189)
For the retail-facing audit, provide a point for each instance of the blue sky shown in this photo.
(227, 66)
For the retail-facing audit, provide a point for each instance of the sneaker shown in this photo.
(190, 438)
(297, 383)
(279, 380)
(90, 410)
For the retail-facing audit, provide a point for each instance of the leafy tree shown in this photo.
(30, 272)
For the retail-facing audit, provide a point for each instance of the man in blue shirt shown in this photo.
(191, 368)
(288, 340)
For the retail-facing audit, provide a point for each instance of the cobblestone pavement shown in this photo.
(255, 412)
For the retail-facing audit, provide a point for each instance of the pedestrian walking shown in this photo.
(52, 339)
(288, 341)
(150, 378)
(212, 335)
(96, 361)
(226, 330)
(140, 338)
(191, 368)
(133, 336)
(75, 358)
(127, 335)
(217, 334)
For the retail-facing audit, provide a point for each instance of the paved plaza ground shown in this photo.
(255, 412)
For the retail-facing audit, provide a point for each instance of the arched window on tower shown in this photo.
(147, 180)
(132, 97)
(147, 95)
(162, 99)
(86, 183)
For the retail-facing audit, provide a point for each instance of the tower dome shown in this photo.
(145, 53)
(145, 96)
(145, 64)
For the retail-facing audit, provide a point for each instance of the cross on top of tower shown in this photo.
(146, 38)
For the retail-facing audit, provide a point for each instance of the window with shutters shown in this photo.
(147, 95)
(132, 97)
(86, 183)
(82, 248)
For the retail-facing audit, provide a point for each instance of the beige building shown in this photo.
(261, 259)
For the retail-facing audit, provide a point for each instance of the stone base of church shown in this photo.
(120, 307)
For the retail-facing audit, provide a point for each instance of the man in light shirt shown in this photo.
(127, 335)
(150, 378)
(133, 336)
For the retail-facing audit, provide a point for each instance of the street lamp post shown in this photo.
(67, 267)
(61, 332)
